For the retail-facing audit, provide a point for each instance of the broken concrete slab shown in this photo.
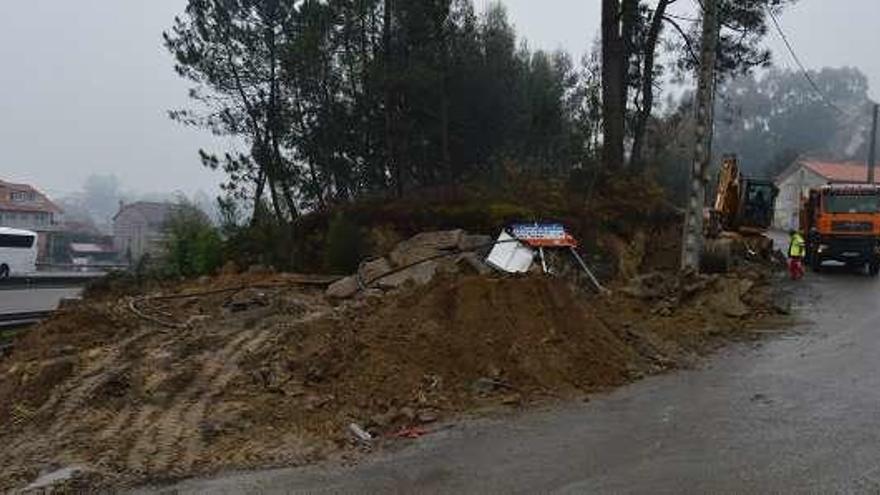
(447, 239)
(420, 274)
(374, 269)
(343, 288)
(470, 242)
(425, 245)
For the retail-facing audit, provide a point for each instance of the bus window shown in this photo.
(16, 241)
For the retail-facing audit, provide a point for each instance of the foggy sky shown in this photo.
(85, 84)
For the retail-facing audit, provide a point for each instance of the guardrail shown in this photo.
(71, 267)
(49, 280)
(14, 319)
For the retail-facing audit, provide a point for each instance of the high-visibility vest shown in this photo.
(798, 247)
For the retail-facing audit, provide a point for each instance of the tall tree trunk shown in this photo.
(647, 90)
(444, 134)
(258, 198)
(614, 90)
(276, 204)
(390, 148)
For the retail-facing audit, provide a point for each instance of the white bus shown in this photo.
(18, 252)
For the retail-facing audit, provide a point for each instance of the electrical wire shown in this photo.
(803, 69)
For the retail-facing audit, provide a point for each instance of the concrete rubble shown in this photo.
(417, 260)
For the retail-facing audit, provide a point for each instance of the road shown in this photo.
(39, 293)
(797, 413)
(34, 300)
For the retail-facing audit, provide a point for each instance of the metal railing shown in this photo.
(47, 280)
(14, 319)
(71, 267)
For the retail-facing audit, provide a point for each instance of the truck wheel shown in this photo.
(874, 268)
(4, 272)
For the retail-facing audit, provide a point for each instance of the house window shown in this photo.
(22, 196)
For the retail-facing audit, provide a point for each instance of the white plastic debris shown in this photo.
(511, 256)
(48, 480)
(360, 433)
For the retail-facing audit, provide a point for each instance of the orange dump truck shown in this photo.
(842, 223)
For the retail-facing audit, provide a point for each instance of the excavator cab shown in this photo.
(742, 204)
(757, 205)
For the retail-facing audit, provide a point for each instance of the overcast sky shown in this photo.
(85, 84)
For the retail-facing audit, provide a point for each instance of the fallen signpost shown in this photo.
(517, 257)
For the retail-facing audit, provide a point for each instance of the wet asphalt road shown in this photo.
(28, 300)
(797, 413)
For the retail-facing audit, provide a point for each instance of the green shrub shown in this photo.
(344, 246)
(193, 245)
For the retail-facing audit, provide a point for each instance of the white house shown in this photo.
(139, 228)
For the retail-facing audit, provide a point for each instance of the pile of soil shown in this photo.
(264, 371)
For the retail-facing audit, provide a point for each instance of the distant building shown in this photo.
(91, 255)
(24, 207)
(139, 229)
(797, 180)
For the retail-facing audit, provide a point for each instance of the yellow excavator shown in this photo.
(735, 226)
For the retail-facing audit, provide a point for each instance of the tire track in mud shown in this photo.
(137, 438)
(67, 405)
(74, 397)
(172, 441)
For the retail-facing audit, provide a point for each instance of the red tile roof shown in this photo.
(841, 172)
(40, 203)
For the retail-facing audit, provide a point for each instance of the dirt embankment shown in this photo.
(265, 371)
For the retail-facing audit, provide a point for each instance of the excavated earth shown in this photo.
(238, 372)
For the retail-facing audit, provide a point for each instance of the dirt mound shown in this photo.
(266, 371)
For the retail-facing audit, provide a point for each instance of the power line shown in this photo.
(804, 71)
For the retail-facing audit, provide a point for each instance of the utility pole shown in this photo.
(692, 244)
(872, 152)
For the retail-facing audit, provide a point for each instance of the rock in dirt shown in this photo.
(385, 419)
(650, 286)
(486, 385)
(55, 478)
(782, 307)
(426, 417)
(420, 274)
(727, 299)
(470, 242)
(343, 289)
(473, 262)
(425, 245)
(247, 299)
(372, 270)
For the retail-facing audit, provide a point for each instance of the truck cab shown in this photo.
(842, 223)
